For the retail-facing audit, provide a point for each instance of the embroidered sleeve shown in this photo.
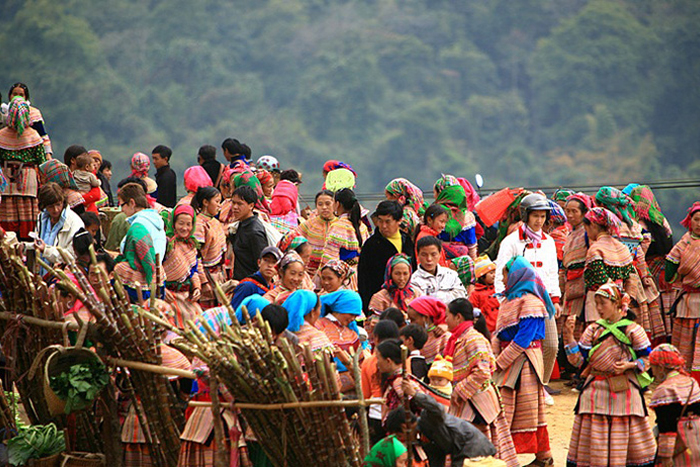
(479, 368)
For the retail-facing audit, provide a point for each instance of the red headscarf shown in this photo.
(264, 176)
(667, 356)
(691, 210)
(430, 307)
(583, 198)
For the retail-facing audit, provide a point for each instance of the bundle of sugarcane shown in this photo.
(125, 335)
(120, 331)
(255, 370)
(26, 301)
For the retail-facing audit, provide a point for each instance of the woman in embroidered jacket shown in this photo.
(676, 396)
(611, 425)
(520, 330)
(396, 291)
(291, 276)
(607, 258)
(347, 234)
(683, 269)
(210, 234)
(574, 257)
(182, 286)
(475, 397)
(316, 229)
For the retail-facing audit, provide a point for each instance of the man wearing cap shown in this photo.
(260, 282)
(386, 241)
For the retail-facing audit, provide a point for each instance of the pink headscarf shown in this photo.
(140, 164)
(583, 198)
(431, 307)
(472, 195)
(691, 210)
(284, 198)
(196, 177)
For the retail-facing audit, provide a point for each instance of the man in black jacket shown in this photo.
(250, 238)
(386, 241)
(165, 176)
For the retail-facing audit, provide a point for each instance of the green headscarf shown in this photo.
(618, 203)
(453, 195)
(385, 453)
(646, 205)
(169, 221)
(465, 270)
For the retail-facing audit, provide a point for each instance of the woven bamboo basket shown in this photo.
(83, 459)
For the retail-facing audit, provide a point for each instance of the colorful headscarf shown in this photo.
(248, 178)
(299, 304)
(264, 176)
(605, 218)
(411, 194)
(290, 257)
(465, 270)
(667, 356)
(292, 241)
(340, 268)
(612, 291)
(523, 279)
(556, 215)
(399, 296)
(196, 177)
(430, 307)
(170, 224)
(140, 164)
(617, 202)
(646, 206)
(443, 182)
(582, 198)
(691, 210)
(385, 453)
(562, 194)
(18, 115)
(56, 171)
(254, 304)
(332, 165)
(338, 179)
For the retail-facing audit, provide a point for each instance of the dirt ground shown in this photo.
(560, 420)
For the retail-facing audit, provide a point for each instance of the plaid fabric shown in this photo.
(137, 455)
(210, 234)
(603, 440)
(617, 202)
(605, 218)
(646, 206)
(56, 171)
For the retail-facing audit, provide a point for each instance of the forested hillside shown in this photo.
(524, 92)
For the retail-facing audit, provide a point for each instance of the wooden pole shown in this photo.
(44, 323)
(294, 405)
(161, 370)
(221, 454)
(364, 426)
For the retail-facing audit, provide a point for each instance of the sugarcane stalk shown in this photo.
(221, 453)
(364, 426)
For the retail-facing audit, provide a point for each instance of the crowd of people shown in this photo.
(457, 321)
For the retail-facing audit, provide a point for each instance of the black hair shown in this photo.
(389, 208)
(433, 211)
(106, 258)
(246, 151)
(661, 241)
(81, 242)
(395, 420)
(72, 152)
(105, 165)
(246, 193)
(428, 241)
(90, 218)
(277, 316)
(482, 280)
(290, 175)
(324, 193)
(203, 193)
(391, 350)
(395, 315)
(464, 308)
(207, 152)
(418, 333)
(347, 199)
(19, 85)
(233, 146)
(385, 329)
(164, 151)
(137, 180)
